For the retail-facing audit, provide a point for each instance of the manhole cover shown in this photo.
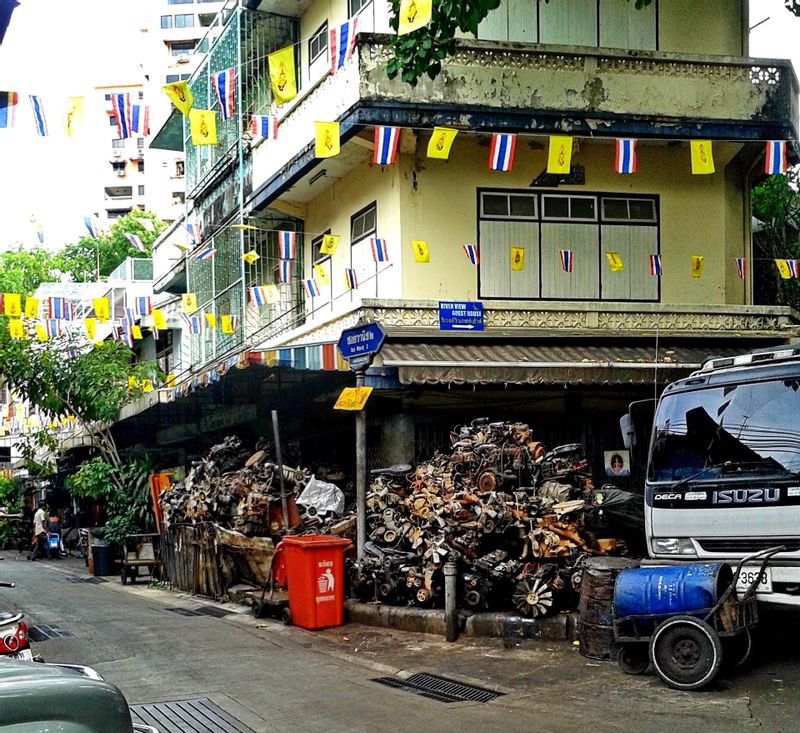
(183, 611)
(43, 632)
(187, 716)
(212, 611)
(439, 688)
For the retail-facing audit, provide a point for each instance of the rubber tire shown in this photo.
(124, 575)
(737, 650)
(286, 616)
(633, 658)
(257, 609)
(686, 653)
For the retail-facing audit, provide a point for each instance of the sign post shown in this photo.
(358, 345)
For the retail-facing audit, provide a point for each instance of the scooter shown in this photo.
(14, 641)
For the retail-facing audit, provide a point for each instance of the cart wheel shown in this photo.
(633, 658)
(737, 649)
(124, 575)
(286, 616)
(257, 609)
(134, 573)
(685, 652)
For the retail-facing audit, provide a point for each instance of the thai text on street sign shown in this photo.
(361, 340)
(353, 398)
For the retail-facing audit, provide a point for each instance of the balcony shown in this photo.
(541, 89)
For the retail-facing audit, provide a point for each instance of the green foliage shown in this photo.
(10, 498)
(22, 271)
(776, 204)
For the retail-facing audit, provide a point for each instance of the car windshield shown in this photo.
(741, 428)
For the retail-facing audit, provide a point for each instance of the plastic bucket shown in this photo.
(671, 589)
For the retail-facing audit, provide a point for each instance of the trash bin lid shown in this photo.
(315, 541)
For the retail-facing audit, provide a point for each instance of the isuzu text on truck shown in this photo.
(723, 468)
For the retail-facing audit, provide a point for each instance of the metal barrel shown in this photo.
(595, 607)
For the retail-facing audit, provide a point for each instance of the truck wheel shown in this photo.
(737, 649)
(633, 658)
(685, 652)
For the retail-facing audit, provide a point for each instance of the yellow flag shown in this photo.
(31, 307)
(702, 157)
(170, 380)
(227, 324)
(517, 258)
(329, 244)
(271, 293)
(12, 304)
(697, 265)
(420, 248)
(147, 386)
(326, 139)
(783, 269)
(16, 328)
(189, 301)
(203, 126)
(321, 275)
(211, 320)
(159, 320)
(413, 15)
(180, 247)
(133, 382)
(441, 141)
(251, 256)
(615, 261)
(281, 75)
(136, 332)
(73, 116)
(101, 308)
(41, 332)
(559, 154)
(180, 95)
(91, 326)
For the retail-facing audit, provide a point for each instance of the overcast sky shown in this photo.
(59, 48)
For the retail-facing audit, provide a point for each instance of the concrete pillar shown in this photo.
(397, 439)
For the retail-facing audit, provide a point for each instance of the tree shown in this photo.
(93, 257)
(22, 271)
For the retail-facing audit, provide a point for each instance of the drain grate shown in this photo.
(212, 611)
(94, 581)
(43, 632)
(187, 716)
(439, 688)
(183, 611)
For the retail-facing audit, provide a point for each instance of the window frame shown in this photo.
(166, 22)
(322, 32)
(356, 6)
(360, 214)
(184, 17)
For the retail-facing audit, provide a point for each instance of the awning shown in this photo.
(444, 363)
(170, 136)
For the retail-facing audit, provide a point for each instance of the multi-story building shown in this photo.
(562, 346)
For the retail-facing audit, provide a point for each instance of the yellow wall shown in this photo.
(702, 26)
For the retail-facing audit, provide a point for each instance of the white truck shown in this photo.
(723, 468)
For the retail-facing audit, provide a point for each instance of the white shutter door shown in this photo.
(622, 25)
(572, 22)
(634, 244)
(583, 282)
(497, 279)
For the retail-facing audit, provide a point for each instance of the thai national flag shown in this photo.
(350, 279)
(127, 332)
(91, 226)
(192, 231)
(143, 307)
(130, 316)
(287, 244)
(8, 105)
(121, 106)
(775, 164)
(501, 152)
(794, 267)
(234, 323)
(311, 288)
(38, 115)
(135, 240)
(265, 126)
(565, 255)
(140, 119)
(385, 148)
(52, 327)
(343, 43)
(625, 158)
(224, 84)
(379, 251)
(57, 307)
(741, 267)
(471, 253)
(655, 265)
(194, 324)
(285, 271)
(257, 297)
(206, 253)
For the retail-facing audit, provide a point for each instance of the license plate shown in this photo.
(26, 655)
(749, 574)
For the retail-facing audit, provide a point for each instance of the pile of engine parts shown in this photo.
(517, 519)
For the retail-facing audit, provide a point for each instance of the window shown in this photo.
(318, 43)
(364, 223)
(166, 21)
(107, 97)
(181, 49)
(589, 226)
(140, 166)
(141, 190)
(316, 244)
(116, 213)
(118, 166)
(141, 95)
(112, 120)
(178, 197)
(139, 142)
(179, 2)
(179, 168)
(357, 5)
(118, 143)
(184, 20)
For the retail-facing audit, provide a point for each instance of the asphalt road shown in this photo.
(277, 678)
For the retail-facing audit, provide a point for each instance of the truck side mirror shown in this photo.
(628, 431)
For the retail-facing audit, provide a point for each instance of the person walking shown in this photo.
(40, 546)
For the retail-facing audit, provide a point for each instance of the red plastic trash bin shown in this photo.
(315, 578)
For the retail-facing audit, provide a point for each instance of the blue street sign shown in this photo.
(363, 340)
(460, 315)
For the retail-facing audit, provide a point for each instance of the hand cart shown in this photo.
(686, 649)
(140, 551)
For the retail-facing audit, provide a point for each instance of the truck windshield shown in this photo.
(739, 428)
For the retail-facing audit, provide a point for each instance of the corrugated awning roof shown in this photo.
(444, 363)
